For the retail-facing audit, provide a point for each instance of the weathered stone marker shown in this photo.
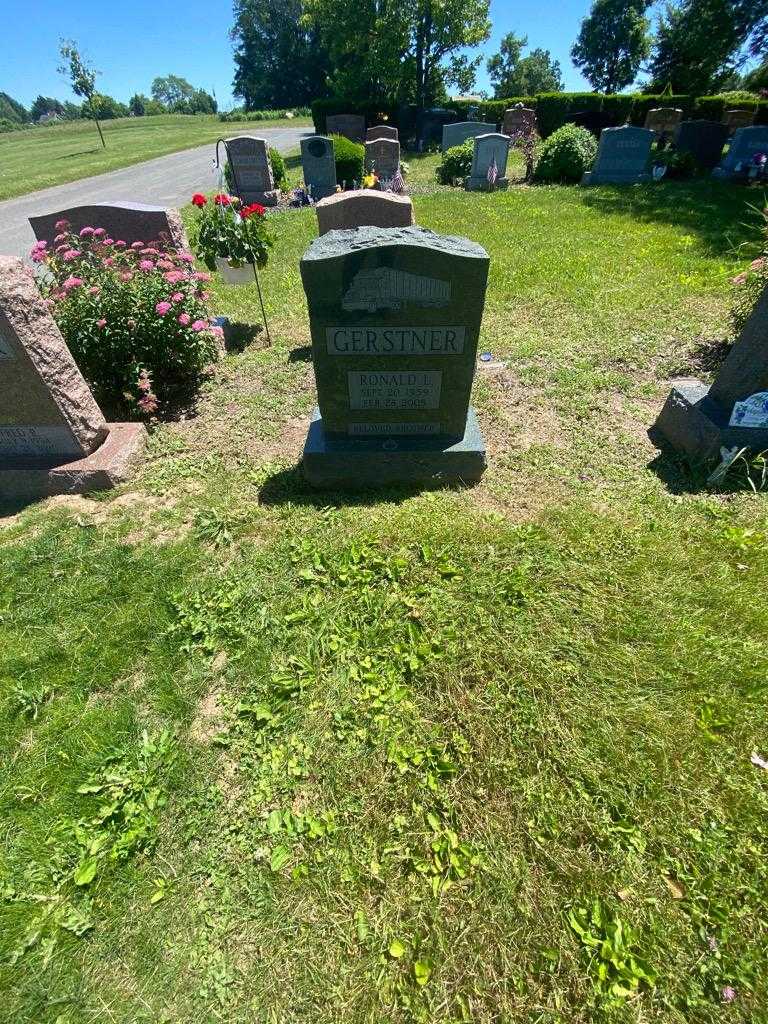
(365, 206)
(488, 147)
(699, 420)
(458, 132)
(383, 156)
(53, 436)
(382, 131)
(395, 316)
(663, 122)
(318, 165)
(518, 119)
(622, 157)
(351, 126)
(704, 140)
(252, 178)
(735, 119)
(746, 142)
(131, 222)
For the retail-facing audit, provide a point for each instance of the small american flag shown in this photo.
(397, 183)
(493, 172)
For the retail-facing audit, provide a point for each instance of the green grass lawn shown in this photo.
(454, 756)
(41, 157)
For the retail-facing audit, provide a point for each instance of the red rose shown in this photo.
(199, 199)
(248, 211)
(221, 199)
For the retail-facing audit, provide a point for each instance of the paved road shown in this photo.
(166, 181)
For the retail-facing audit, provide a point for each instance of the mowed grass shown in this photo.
(455, 756)
(46, 156)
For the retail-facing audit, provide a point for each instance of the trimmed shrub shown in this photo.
(349, 158)
(456, 162)
(618, 109)
(238, 114)
(566, 154)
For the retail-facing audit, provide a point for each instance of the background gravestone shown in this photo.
(746, 142)
(318, 165)
(622, 157)
(382, 131)
(595, 121)
(395, 317)
(663, 122)
(699, 420)
(351, 126)
(488, 146)
(734, 119)
(458, 132)
(704, 140)
(429, 126)
(251, 170)
(129, 222)
(53, 436)
(383, 156)
(518, 118)
(365, 206)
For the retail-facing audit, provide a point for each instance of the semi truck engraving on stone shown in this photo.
(752, 412)
(386, 429)
(384, 288)
(396, 389)
(394, 341)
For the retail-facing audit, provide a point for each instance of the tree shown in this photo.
(46, 105)
(82, 78)
(613, 42)
(201, 102)
(700, 44)
(12, 110)
(515, 75)
(104, 108)
(173, 92)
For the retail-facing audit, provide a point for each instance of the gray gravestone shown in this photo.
(745, 143)
(519, 119)
(251, 170)
(704, 140)
(735, 119)
(318, 165)
(458, 132)
(382, 131)
(429, 125)
(663, 122)
(128, 222)
(395, 316)
(622, 156)
(351, 126)
(383, 157)
(733, 412)
(53, 436)
(363, 207)
(489, 147)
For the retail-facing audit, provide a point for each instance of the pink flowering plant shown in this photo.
(225, 229)
(135, 317)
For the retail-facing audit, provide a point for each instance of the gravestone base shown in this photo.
(594, 178)
(483, 185)
(27, 479)
(368, 462)
(696, 426)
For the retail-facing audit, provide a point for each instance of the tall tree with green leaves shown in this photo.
(514, 75)
(82, 78)
(613, 42)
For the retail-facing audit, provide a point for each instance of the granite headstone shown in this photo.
(395, 316)
(663, 122)
(519, 119)
(361, 207)
(383, 157)
(488, 147)
(595, 121)
(429, 125)
(351, 126)
(128, 222)
(382, 131)
(251, 170)
(704, 140)
(735, 119)
(458, 132)
(746, 142)
(622, 157)
(318, 166)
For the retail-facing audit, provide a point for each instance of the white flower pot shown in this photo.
(234, 274)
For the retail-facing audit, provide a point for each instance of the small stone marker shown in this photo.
(395, 316)
(53, 436)
(383, 156)
(735, 119)
(699, 420)
(458, 132)
(318, 165)
(517, 119)
(622, 157)
(129, 222)
(663, 122)
(704, 140)
(382, 131)
(351, 126)
(746, 142)
(488, 147)
(252, 178)
(363, 207)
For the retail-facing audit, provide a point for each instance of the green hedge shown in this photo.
(349, 158)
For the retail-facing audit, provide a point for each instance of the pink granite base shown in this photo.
(109, 465)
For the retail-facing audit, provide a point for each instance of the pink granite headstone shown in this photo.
(131, 222)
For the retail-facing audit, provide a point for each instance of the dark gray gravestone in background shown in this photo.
(395, 316)
(351, 126)
(429, 125)
(735, 119)
(696, 419)
(252, 178)
(383, 157)
(382, 131)
(622, 157)
(318, 165)
(704, 140)
(744, 144)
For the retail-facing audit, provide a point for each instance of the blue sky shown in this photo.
(133, 42)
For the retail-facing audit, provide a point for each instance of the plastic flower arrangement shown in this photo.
(231, 232)
(370, 180)
(134, 316)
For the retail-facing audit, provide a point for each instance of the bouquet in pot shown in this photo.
(231, 236)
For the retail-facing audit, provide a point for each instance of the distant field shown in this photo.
(41, 157)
